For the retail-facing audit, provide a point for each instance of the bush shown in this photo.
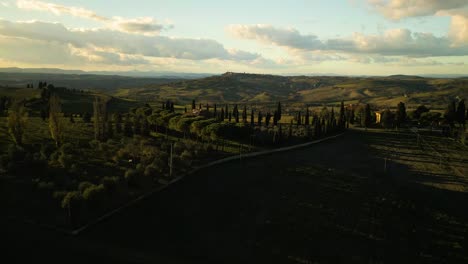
(71, 199)
(151, 171)
(94, 194)
(83, 186)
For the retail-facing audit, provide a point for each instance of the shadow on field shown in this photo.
(331, 202)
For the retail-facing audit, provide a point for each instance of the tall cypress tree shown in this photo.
(367, 116)
(260, 117)
(307, 117)
(342, 118)
(461, 109)
(244, 115)
(267, 119)
(275, 118)
(400, 114)
(193, 104)
(252, 121)
(279, 111)
(450, 113)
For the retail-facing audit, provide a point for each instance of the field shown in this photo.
(337, 203)
(258, 89)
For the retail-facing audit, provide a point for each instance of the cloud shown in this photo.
(121, 42)
(268, 34)
(456, 9)
(141, 25)
(59, 9)
(394, 42)
(398, 9)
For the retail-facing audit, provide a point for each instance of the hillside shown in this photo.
(72, 101)
(256, 88)
(72, 80)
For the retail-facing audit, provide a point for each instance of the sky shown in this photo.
(346, 37)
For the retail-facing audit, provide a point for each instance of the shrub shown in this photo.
(94, 194)
(83, 186)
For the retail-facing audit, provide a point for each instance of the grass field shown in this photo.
(331, 202)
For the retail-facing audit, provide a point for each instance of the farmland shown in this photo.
(337, 203)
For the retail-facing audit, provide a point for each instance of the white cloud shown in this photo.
(141, 25)
(398, 9)
(121, 42)
(394, 42)
(267, 34)
(456, 9)
(59, 9)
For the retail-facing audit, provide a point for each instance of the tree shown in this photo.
(342, 117)
(193, 104)
(244, 115)
(128, 131)
(235, 112)
(267, 119)
(260, 117)
(419, 111)
(87, 117)
(275, 118)
(278, 110)
(299, 118)
(450, 113)
(72, 119)
(307, 117)
(366, 118)
(118, 122)
(17, 119)
(460, 115)
(252, 121)
(387, 119)
(56, 125)
(100, 119)
(221, 118)
(400, 114)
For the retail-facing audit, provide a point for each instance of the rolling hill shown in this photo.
(258, 89)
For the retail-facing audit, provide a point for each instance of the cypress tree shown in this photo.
(215, 112)
(236, 113)
(260, 117)
(193, 104)
(400, 114)
(307, 117)
(229, 117)
(267, 119)
(299, 118)
(275, 118)
(367, 116)
(110, 129)
(244, 115)
(252, 122)
(279, 111)
(450, 113)
(342, 118)
(222, 114)
(461, 109)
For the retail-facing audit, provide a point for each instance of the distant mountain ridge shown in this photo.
(141, 74)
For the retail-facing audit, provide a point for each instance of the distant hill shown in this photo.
(258, 88)
(107, 83)
(145, 74)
